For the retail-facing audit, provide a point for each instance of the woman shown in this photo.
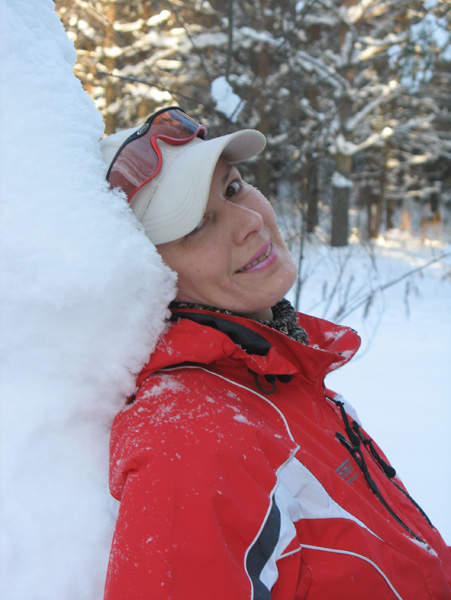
(239, 475)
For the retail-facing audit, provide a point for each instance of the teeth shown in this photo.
(257, 260)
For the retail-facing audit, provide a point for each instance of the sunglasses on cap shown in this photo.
(139, 158)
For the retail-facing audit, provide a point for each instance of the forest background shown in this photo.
(352, 95)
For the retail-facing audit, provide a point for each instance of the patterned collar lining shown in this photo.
(284, 317)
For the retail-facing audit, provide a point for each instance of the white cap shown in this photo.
(173, 203)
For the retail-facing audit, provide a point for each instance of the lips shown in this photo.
(265, 255)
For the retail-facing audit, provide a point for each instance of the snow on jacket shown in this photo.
(241, 477)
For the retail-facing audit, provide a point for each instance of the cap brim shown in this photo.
(181, 189)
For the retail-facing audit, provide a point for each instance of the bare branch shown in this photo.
(385, 286)
(155, 85)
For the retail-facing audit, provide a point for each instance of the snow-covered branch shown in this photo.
(377, 46)
(348, 148)
(389, 91)
(309, 63)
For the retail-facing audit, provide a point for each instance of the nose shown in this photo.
(244, 222)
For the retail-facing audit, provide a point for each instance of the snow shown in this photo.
(399, 381)
(168, 384)
(159, 18)
(340, 181)
(242, 419)
(258, 36)
(204, 40)
(226, 100)
(386, 93)
(433, 29)
(84, 295)
(418, 68)
(400, 389)
(309, 63)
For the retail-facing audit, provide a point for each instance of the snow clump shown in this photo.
(84, 297)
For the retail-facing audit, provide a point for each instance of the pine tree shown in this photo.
(337, 86)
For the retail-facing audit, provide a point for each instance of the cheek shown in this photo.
(198, 272)
(188, 282)
(176, 259)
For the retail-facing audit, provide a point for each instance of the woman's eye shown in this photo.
(233, 188)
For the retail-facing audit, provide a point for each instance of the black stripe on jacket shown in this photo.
(261, 550)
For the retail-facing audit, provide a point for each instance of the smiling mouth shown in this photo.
(260, 258)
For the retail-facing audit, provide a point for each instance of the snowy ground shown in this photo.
(400, 381)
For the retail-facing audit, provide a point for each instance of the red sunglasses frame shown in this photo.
(139, 159)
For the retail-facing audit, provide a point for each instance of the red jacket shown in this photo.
(241, 477)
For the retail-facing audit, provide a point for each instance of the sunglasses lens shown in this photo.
(174, 123)
(133, 164)
(136, 161)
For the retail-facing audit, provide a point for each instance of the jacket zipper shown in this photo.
(353, 444)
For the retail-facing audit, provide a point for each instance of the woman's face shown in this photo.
(236, 258)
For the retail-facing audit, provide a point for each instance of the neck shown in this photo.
(262, 315)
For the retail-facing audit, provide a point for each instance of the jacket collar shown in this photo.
(203, 336)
